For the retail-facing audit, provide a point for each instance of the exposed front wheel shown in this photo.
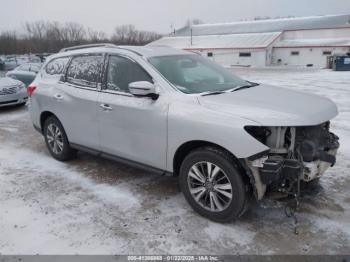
(56, 140)
(212, 184)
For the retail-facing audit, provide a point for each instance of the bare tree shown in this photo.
(46, 36)
(129, 35)
(195, 21)
(96, 36)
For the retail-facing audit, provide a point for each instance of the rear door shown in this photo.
(75, 99)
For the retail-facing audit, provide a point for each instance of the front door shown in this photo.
(133, 128)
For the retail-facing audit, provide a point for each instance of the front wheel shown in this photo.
(56, 140)
(212, 184)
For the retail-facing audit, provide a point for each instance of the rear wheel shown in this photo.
(212, 184)
(56, 140)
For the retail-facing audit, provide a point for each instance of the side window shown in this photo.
(85, 70)
(122, 71)
(56, 66)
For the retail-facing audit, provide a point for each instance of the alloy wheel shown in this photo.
(209, 186)
(54, 138)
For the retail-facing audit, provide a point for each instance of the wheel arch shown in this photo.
(43, 116)
(189, 146)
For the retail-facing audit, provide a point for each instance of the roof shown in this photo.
(155, 50)
(314, 42)
(236, 41)
(146, 51)
(270, 25)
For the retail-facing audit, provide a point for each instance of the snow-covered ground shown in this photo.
(96, 206)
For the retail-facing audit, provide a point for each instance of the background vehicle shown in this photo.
(175, 112)
(12, 92)
(25, 73)
(11, 63)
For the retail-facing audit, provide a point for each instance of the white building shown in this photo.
(306, 41)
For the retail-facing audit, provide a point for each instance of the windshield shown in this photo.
(193, 74)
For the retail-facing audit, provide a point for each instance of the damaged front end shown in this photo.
(296, 154)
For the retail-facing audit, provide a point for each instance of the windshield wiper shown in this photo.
(209, 93)
(251, 84)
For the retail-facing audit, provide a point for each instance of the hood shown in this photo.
(273, 106)
(9, 82)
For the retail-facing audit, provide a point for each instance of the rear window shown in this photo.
(85, 70)
(56, 66)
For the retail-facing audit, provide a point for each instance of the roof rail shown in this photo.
(127, 48)
(87, 46)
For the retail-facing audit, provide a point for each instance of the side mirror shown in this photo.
(143, 89)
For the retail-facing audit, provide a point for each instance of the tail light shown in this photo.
(30, 90)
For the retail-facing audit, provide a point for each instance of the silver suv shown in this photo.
(175, 112)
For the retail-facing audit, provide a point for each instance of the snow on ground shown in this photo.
(95, 206)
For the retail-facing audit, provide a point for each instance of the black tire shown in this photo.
(66, 153)
(236, 207)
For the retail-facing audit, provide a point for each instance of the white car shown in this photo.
(175, 112)
(12, 92)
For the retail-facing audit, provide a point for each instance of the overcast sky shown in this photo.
(157, 15)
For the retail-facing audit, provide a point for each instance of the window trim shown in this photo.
(99, 80)
(104, 89)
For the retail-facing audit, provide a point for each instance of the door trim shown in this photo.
(121, 160)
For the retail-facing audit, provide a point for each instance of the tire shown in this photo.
(215, 203)
(58, 144)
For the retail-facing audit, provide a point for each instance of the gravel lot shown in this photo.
(95, 206)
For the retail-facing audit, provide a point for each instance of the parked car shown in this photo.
(26, 73)
(175, 112)
(11, 63)
(12, 92)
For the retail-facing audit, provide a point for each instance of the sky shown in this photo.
(157, 15)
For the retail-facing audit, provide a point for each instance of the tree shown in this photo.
(50, 36)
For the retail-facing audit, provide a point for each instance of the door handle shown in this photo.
(106, 107)
(58, 97)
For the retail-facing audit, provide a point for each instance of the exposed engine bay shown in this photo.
(296, 154)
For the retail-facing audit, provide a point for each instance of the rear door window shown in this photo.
(56, 66)
(85, 70)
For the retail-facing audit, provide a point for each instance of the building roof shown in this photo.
(236, 41)
(314, 42)
(270, 25)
